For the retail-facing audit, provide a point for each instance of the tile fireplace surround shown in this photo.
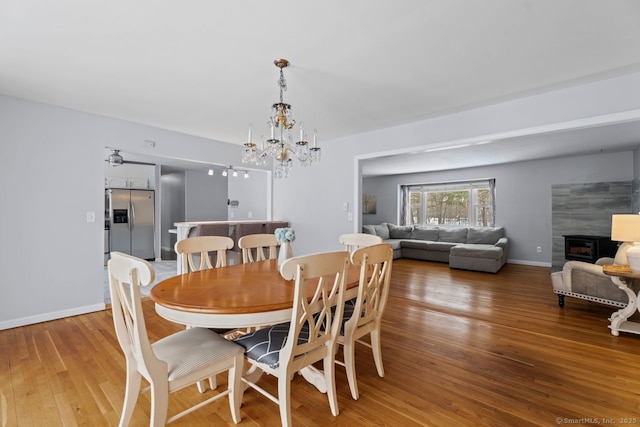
(585, 209)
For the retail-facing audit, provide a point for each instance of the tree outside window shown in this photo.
(458, 204)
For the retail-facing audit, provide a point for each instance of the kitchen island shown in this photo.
(184, 229)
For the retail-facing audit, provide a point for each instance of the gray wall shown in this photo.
(252, 194)
(56, 175)
(312, 198)
(172, 202)
(523, 195)
(205, 196)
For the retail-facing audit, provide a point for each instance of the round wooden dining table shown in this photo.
(236, 296)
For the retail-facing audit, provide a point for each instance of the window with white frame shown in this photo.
(452, 204)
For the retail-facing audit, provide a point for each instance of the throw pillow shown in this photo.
(382, 230)
(400, 231)
(453, 235)
(485, 235)
(425, 232)
(368, 229)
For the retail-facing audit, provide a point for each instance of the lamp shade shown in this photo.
(625, 228)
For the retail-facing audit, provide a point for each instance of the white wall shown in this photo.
(523, 195)
(312, 198)
(51, 259)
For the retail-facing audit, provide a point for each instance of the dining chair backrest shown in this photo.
(354, 241)
(284, 349)
(364, 314)
(258, 244)
(126, 275)
(328, 270)
(200, 246)
(244, 229)
(173, 362)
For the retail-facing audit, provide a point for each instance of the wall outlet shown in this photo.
(91, 217)
(250, 214)
(349, 216)
(539, 249)
(345, 206)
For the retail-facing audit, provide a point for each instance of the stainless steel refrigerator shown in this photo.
(130, 218)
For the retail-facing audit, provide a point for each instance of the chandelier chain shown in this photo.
(283, 86)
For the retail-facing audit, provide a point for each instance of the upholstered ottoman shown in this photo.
(478, 257)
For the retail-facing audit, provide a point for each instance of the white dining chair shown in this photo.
(200, 246)
(172, 363)
(354, 241)
(265, 246)
(363, 314)
(284, 349)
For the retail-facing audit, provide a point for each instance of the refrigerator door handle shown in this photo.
(132, 215)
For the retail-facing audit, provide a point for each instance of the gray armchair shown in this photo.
(587, 281)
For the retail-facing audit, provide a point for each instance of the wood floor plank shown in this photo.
(459, 347)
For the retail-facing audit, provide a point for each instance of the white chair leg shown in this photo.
(377, 350)
(159, 403)
(132, 391)
(284, 399)
(329, 368)
(348, 352)
(236, 389)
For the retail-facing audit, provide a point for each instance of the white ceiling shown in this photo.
(205, 67)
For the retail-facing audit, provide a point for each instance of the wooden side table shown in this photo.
(624, 278)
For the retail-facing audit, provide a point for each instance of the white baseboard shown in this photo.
(532, 263)
(45, 317)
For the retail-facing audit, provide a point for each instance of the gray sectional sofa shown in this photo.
(468, 248)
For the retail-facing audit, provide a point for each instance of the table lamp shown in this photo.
(626, 228)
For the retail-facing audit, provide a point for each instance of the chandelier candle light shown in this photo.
(281, 149)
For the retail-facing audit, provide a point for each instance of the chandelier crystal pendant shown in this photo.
(280, 146)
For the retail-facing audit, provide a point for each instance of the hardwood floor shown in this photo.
(459, 348)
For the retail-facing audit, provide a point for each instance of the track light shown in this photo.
(210, 171)
(224, 172)
(246, 174)
(235, 173)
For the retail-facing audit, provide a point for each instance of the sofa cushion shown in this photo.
(400, 231)
(414, 244)
(425, 232)
(477, 251)
(456, 235)
(382, 230)
(368, 229)
(440, 246)
(395, 243)
(484, 235)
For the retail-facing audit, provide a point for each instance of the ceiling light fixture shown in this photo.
(234, 172)
(281, 149)
(210, 171)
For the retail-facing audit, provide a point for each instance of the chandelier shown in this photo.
(280, 147)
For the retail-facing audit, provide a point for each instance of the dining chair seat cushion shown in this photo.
(192, 349)
(264, 345)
